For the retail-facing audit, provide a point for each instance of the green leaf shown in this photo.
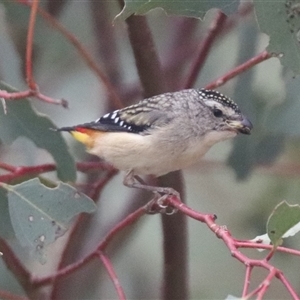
(6, 229)
(282, 219)
(22, 120)
(281, 21)
(39, 215)
(196, 9)
(269, 148)
(251, 151)
(242, 156)
(284, 118)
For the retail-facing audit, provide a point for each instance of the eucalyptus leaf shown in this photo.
(284, 118)
(242, 157)
(281, 21)
(39, 215)
(6, 230)
(195, 9)
(282, 219)
(22, 120)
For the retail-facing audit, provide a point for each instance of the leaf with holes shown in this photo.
(195, 9)
(283, 218)
(22, 120)
(39, 215)
(281, 21)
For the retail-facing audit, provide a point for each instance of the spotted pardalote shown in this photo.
(163, 133)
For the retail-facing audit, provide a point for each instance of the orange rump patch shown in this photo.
(86, 136)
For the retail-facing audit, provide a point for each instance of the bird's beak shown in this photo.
(243, 125)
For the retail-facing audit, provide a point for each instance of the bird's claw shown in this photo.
(159, 204)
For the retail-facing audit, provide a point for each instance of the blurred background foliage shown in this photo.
(240, 181)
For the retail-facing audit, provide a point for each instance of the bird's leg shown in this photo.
(161, 194)
(135, 181)
(157, 205)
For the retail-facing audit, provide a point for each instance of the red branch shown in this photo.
(87, 57)
(29, 76)
(15, 266)
(33, 87)
(222, 233)
(205, 48)
(288, 286)
(129, 220)
(4, 295)
(25, 277)
(266, 283)
(240, 69)
(32, 93)
(112, 274)
(257, 245)
(247, 280)
(20, 171)
(85, 167)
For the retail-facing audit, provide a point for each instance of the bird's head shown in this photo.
(224, 114)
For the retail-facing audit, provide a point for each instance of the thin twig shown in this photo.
(107, 44)
(32, 93)
(146, 59)
(183, 46)
(222, 233)
(291, 170)
(24, 171)
(255, 245)
(240, 69)
(20, 171)
(112, 274)
(205, 48)
(288, 286)
(87, 57)
(247, 280)
(7, 167)
(76, 231)
(64, 272)
(70, 269)
(5, 295)
(266, 284)
(29, 75)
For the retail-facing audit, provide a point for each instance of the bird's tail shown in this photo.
(68, 129)
(81, 134)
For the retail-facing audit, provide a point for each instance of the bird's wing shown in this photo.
(137, 118)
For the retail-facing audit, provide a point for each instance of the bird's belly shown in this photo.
(146, 156)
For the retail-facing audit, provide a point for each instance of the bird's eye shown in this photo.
(217, 113)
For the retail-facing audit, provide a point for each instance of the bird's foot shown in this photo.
(159, 204)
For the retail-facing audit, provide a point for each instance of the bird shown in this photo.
(161, 134)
